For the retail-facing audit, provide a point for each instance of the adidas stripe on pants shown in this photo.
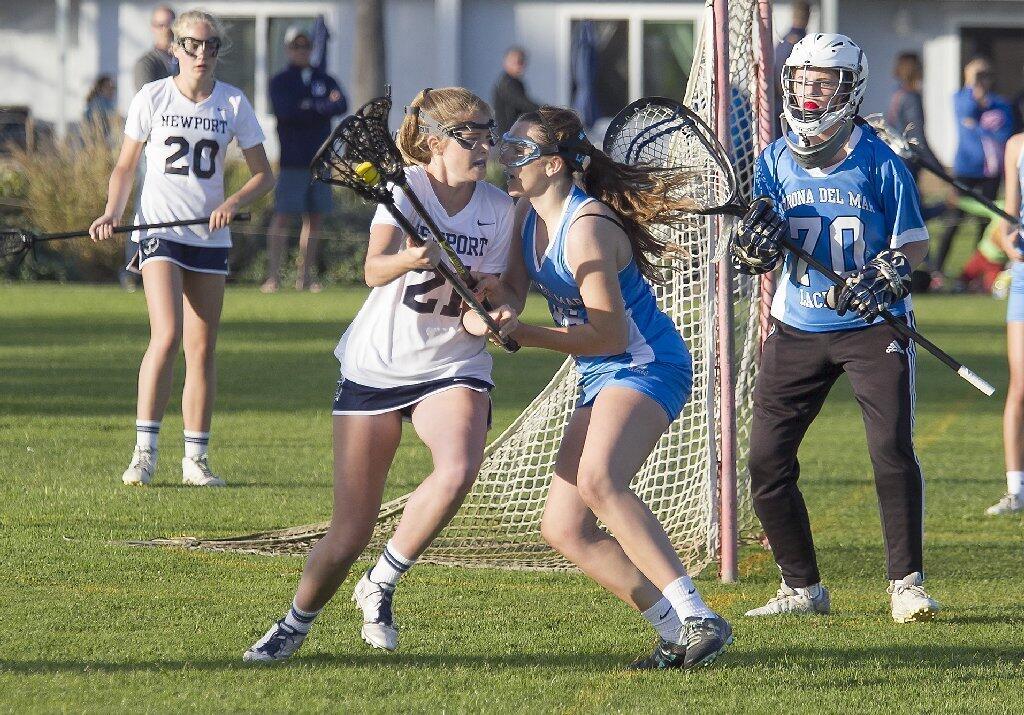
(797, 371)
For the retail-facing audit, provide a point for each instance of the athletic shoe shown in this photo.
(794, 600)
(910, 603)
(140, 471)
(374, 600)
(1009, 504)
(277, 644)
(706, 638)
(196, 472)
(666, 655)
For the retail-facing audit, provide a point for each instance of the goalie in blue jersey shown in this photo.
(834, 188)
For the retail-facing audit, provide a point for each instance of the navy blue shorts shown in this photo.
(297, 193)
(199, 259)
(351, 398)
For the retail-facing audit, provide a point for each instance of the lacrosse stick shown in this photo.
(357, 155)
(908, 148)
(16, 240)
(657, 131)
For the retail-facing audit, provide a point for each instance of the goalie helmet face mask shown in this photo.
(823, 84)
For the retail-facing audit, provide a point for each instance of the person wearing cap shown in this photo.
(304, 98)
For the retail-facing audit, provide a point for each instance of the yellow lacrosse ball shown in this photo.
(368, 173)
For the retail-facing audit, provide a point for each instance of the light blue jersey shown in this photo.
(652, 334)
(844, 216)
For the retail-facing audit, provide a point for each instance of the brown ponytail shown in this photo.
(641, 196)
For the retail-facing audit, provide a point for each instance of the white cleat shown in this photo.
(277, 644)
(801, 601)
(910, 602)
(196, 472)
(374, 600)
(1009, 504)
(140, 471)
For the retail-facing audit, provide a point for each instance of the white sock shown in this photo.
(1015, 483)
(196, 444)
(390, 567)
(300, 620)
(146, 434)
(683, 596)
(665, 620)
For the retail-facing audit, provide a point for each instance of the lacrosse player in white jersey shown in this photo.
(184, 124)
(407, 355)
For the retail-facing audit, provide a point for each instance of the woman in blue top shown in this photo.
(582, 220)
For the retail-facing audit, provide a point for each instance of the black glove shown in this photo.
(755, 247)
(884, 280)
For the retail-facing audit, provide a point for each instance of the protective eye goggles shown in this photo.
(468, 135)
(516, 151)
(191, 46)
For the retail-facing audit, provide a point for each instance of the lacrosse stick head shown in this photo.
(897, 141)
(14, 241)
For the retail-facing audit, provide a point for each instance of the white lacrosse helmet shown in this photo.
(808, 119)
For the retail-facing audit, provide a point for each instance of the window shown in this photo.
(277, 27)
(237, 65)
(668, 54)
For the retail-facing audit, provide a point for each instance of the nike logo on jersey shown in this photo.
(481, 223)
(894, 347)
(206, 124)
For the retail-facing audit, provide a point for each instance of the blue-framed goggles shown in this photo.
(516, 151)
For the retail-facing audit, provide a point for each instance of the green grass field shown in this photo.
(90, 625)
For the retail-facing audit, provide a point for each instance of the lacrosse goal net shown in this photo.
(499, 523)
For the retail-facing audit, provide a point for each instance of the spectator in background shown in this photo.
(304, 99)
(101, 104)
(801, 16)
(159, 62)
(984, 124)
(906, 114)
(510, 99)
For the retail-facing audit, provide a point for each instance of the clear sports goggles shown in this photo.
(468, 135)
(516, 151)
(191, 46)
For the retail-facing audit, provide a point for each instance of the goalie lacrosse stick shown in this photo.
(15, 240)
(908, 148)
(357, 155)
(662, 132)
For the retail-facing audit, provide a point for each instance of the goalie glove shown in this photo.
(884, 280)
(755, 246)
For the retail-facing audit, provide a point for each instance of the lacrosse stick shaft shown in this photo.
(419, 208)
(964, 372)
(452, 277)
(963, 188)
(138, 227)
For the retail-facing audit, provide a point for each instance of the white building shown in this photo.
(645, 46)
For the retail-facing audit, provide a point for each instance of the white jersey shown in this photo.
(410, 330)
(186, 144)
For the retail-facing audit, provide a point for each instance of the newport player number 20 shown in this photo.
(200, 156)
(845, 242)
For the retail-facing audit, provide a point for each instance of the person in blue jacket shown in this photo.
(984, 125)
(304, 99)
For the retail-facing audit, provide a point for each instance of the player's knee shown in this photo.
(561, 536)
(1015, 390)
(342, 544)
(165, 343)
(455, 480)
(199, 352)
(596, 486)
